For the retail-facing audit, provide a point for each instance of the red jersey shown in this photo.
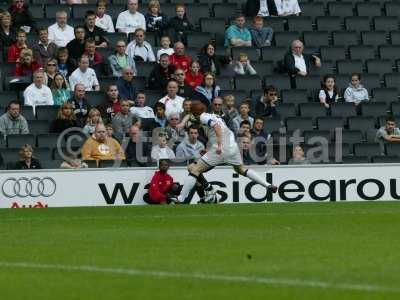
(13, 53)
(181, 61)
(194, 80)
(160, 186)
(25, 70)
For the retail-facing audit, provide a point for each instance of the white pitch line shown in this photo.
(205, 276)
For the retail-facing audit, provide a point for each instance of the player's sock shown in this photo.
(188, 185)
(200, 191)
(253, 176)
(203, 181)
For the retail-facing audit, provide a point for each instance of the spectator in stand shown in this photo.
(208, 90)
(298, 157)
(80, 105)
(71, 161)
(38, 93)
(261, 36)
(329, 93)
(74, 2)
(162, 73)
(140, 110)
(111, 104)
(245, 149)
(355, 92)
(389, 133)
(156, 21)
(190, 147)
(43, 49)
(120, 60)
(7, 32)
(139, 49)
(287, 8)
(217, 107)
(161, 150)
(27, 161)
(165, 43)
(160, 118)
(26, 65)
(244, 129)
(94, 32)
(184, 89)
(174, 132)
(110, 130)
(14, 51)
(126, 86)
(66, 119)
(209, 61)
(103, 20)
(138, 150)
(76, 47)
(50, 71)
(195, 77)
(180, 24)
(123, 120)
(258, 129)
(21, 16)
(84, 75)
(298, 63)
(61, 33)
(229, 110)
(12, 122)
(95, 58)
(179, 59)
(244, 110)
(187, 108)
(260, 139)
(243, 66)
(60, 89)
(263, 8)
(162, 189)
(66, 65)
(93, 119)
(130, 20)
(101, 147)
(266, 105)
(237, 35)
(173, 103)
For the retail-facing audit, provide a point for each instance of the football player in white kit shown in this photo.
(223, 150)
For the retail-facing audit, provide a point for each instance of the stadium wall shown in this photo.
(109, 187)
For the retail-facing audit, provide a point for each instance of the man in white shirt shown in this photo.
(173, 103)
(298, 63)
(140, 110)
(84, 75)
(61, 33)
(139, 49)
(38, 93)
(130, 20)
(287, 7)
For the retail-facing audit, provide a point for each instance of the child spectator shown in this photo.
(14, 51)
(165, 47)
(27, 160)
(244, 110)
(160, 118)
(328, 94)
(66, 65)
(243, 66)
(26, 65)
(298, 157)
(229, 110)
(93, 119)
(162, 151)
(103, 20)
(60, 90)
(162, 186)
(156, 21)
(261, 36)
(356, 93)
(180, 24)
(194, 77)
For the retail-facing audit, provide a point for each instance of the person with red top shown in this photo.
(194, 78)
(95, 58)
(15, 49)
(21, 16)
(162, 186)
(26, 65)
(179, 59)
(111, 104)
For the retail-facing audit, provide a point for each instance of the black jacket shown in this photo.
(21, 164)
(205, 62)
(59, 125)
(179, 28)
(76, 48)
(23, 18)
(159, 77)
(263, 110)
(289, 63)
(97, 34)
(252, 8)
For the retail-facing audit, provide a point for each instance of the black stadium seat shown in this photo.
(333, 53)
(361, 123)
(312, 9)
(329, 23)
(281, 82)
(355, 159)
(385, 159)
(248, 82)
(46, 112)
(273, 54)
(18, 140)
(263, 68)
(385, 94)
(368, 9)
(285, 110)
(285, 39)
(316, 38)
(252, 53)
(392, 9)
(350, 137)
(371, 80)
(224, 10)
(313, 110)
(379, 66)
(393, 149)
(374, 109)
(367, 149)
(299, 123)
(295, 96)
(48, 140)
(39, 126)
(362, 52)
(373, 38)
(357, 24)
(395, 37)
(392, 80)
(345, 38)
(299, 23)
(343, 110)
(386, 23)
(272, 124)
(330, 124)
(349, 66)
(340, 9)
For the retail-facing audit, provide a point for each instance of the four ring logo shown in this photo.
(29, 187)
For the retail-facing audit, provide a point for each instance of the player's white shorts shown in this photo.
(232, 158)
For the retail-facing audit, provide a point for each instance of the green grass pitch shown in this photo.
(260, 251)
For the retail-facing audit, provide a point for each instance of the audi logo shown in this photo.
(29, 187)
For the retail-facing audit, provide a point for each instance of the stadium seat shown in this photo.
(281, 82)
(349, 66)
(10, 155)
(224, 10)
(368, 9)
(385, 94)
(215, 26)
(299, 123)
(285, 110)
(144, 68)
(295, 96)
(225, 82)
(342, 81)
(210, 2)
(379, 66)
(330, 123)
(350, 137)
(345, 38)
(326, 68)
(285, 39)
(333, 53)
(39, 126)
(46, 112)
(393, 149)
(18, 140)
(367, 149)
(329, 24)
(392, 9)
(362, 52)
(300, 23)
(395, 37)
(392, 80)
(110, 163)
(48, 140)
(115, 9)
(263, 68)
(312, 9)
(252, 53)
(273, 54)
(361, 123)
(272, 125)
(79, 11)
(197, 11)
(385, 159)
(396, 109)
(238, 94)
(152, 97)
(374, 109)
(52, 9)
(248, 82)
(371, 81)
(373, 38)
(340, 9)
(389, 52)
(91, 163)
(316, 38)
(357, 24)
(43, 153)
(6, 97)
(95, 98)
(37, 11)
(386, 23)
(114, 37)
(199, 39)
(313, 136)
(356, 159)
(311, 83)
(343, 110)
(313, 110)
